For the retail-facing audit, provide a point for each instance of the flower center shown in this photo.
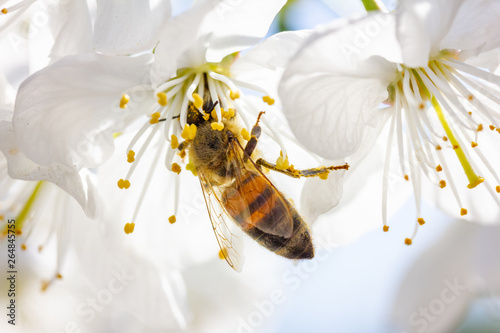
(460, 96)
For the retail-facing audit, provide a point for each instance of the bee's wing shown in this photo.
(230, 242)
(254, 201)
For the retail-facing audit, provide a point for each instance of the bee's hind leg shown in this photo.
(321, 172)
(255, 134)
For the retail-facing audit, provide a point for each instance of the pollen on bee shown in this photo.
(282, 163)
(222, 253)
(268, 100)
(421, 221)
(324, 176)
(190, 167)
(198, 101)
(479, 127)
(473, 144)
(439, 168)
(176, 168)
(162, 98)
(442, 183)
(463, 211)
(386, 228)
(131, 156)
(407, 178)
(408, 241)
(234, 94)
(172, 219)
(206, 116)
(245, 134)
(123, 184)
(155, 117)
(217, 126)
(129, 228)
(124, 101)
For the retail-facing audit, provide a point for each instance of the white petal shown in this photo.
(475, 27)
(177, 36)
(67, 112)
(436, 292)
(129, 26)
(236, 25)
(73, 30)
(78, 184)
(421, 25)
(319, 196)
(263, 65)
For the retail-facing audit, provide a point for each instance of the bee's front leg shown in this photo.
(321, 172)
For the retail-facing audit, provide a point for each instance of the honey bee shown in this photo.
(238, 193)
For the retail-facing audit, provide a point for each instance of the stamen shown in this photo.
(172, 219)
(234, 95)
(162, 98)
(198, 101)
(4, 11)
(131, 156)
(245, 134)
(421, 221)
(408, 241)
(473, 144)
(463, 211)
(268, 100)
(176, 168)
(124, 101)
(173, 82)
(189, 132)
(129, 228)
(442, 183)
(439, 168)
(174, 142)
(385, 177)
(192, 87)
(155, 117)
(217, 126)
(123, 184)
(386, 228)
(213, 95)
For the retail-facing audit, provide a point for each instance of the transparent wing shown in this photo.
(228, 237)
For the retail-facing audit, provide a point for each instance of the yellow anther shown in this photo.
(124, 101)
(174, 142)
(492, 127)
(463, 211)
(176, 168)
(59, 276)
(421, 106)
(123, 184)
(470, 97)
(198, 101)
(439, 168)
(23, 247)
(190, 167)
(182, 154)
(421, 221)
(217, 126)
(324, 176)
(442, 183)
(268, 100)
(386, 228)
(445, 138)
(206, 116)
(155, 117)
(438, 147)
(479, 127)
(498, 130)
(497, 189)
(282, 163)
(245, 134)
(4, 10)
(131, 156)
(228, 114)
(234, 94)
(407, 178)
(129, 228)
(473, 144)
(408, 241)
(470, 113)
(456, 146)
(172, 219)
(223, 253)
(162, 98)
(214, 114)
(40, 248)
(189, 132)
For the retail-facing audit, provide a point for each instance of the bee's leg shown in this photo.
(321, 172)
(256, 131)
